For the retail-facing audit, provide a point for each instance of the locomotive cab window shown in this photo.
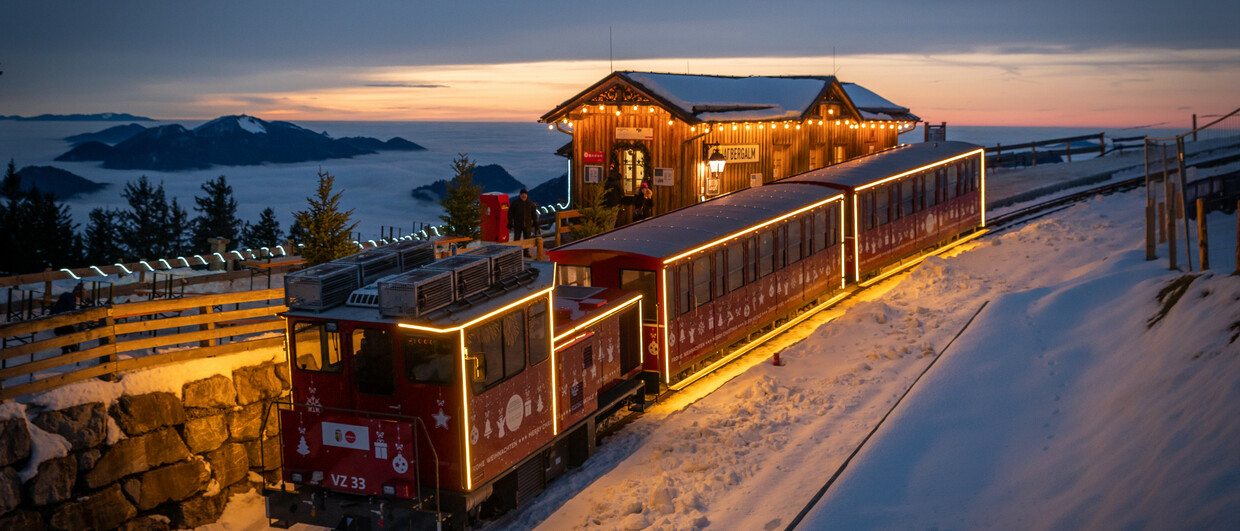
(315, 348)
(373, 372)
(573, 275)
(497, 350)
(429, 359)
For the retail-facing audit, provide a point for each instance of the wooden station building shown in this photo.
(663, 128)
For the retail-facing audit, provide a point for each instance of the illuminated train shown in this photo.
(445, 391)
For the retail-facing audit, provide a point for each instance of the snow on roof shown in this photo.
(715, 98)
(865, 98)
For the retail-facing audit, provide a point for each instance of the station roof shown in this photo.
(704, 98)
(679, 231)
(878, 166)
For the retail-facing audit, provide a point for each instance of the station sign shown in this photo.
(592, 157)
(634, 133)
(740, 152)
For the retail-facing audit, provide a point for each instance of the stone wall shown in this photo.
(177, 465)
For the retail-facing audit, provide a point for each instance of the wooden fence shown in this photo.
(123, 328)
(1016, 155)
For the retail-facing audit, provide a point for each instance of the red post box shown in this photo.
(494, 216)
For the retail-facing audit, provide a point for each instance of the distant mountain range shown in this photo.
(237, 140)
(492, 178)
(100, 117)
(61, 183)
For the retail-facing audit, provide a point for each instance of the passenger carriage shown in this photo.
(434, 389)
(719, 271)
(906, 200)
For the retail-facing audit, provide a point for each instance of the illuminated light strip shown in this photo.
(165, 263)
(123, 268)
(926, 167)
(599, 317)
(572, 341)
(555, 390)
(667, 323)
(755, 343)
(753, 228)
(982, 165)
(100, 271)
(71, 274)
(641, 333)
(856, 243)
(843, 258)
(469, 471)
(922, 258)
(475, 321)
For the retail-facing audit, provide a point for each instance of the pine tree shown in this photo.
(265, 233)
(103, 237)
(217, 215)
(11, 187)
(461, 204)
(48, 234)
(297, 232)
(596, 216)
(327, 228)
(144, 227)
(177, 232)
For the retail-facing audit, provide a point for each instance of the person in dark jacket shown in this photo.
(68, 302)
(523, 217)
(643, 203)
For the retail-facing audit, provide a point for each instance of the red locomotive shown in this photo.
(733, 268)
(438, 392)
(435, 391)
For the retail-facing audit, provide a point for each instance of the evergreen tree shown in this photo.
(596, 216)
(103, 237)
(463, 209)
(297, 233)
(327, 229)
(177, 232)
(217, 215)
(145, 227)
(11, 187)
(48, 237)
(265, 233)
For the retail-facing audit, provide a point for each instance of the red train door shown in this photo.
(319, 376)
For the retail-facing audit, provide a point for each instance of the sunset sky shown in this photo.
(965, 62)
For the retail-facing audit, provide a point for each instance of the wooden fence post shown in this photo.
(1171, 230)
(1203, 247)
(109, 322)
(1150, 254)
(1238, 236)
(204, 310)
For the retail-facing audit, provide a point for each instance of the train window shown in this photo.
(721, 273)
(882, 206)
(642, 282)
(682, 289)
(819, 229)
(498, 348)
(832, 222)
(766, 253)
(540, 336)
(373, 372)
(573, 275)
(701, 280)
(781, 245)
(906, 196)
(316, 349)
(429, 359)
(953, 182)
(932, 188)
(736, 266)
(867, 210)
(514, 342)
(751, 260)
(795, 241)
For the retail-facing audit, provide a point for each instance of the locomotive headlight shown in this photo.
(296, 477)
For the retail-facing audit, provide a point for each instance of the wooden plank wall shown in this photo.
(206, 328)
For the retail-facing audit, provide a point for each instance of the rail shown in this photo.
(46, 353)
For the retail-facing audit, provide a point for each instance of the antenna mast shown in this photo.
(611, 58)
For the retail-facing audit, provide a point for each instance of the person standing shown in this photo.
(68, 302)
(643, 203)
(523, 217)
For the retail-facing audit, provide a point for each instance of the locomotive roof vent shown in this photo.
(471, 273)
(506, 260)
(320, 287)
(415, 293)
(411, 254)
(366, 297)
(372, 264)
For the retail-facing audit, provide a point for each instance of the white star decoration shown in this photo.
(441, 419)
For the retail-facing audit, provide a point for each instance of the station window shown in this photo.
(736, 266)
(540, 335)
(373, 372)
(498, 348)
(315, 348)
(794, 241)
(766, 253)
(573, 275)
(643, 282)
(701, 280)
(429, 359)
